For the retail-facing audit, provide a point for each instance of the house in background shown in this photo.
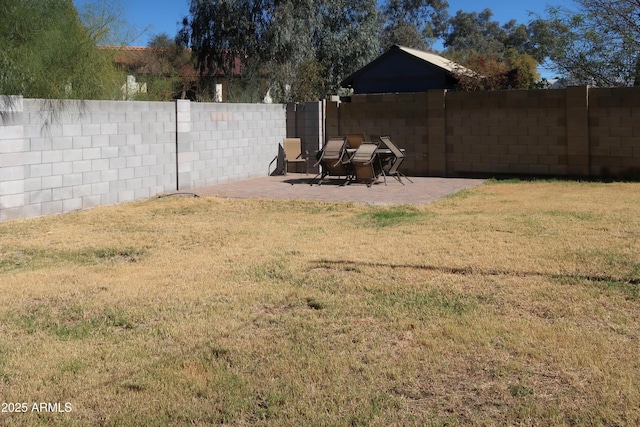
(402, 69)
(145, 66)
(132, 88)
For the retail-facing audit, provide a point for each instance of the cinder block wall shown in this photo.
(59, 157)
(614, 132)
(307, 122)
(404, 117)
(506, 132)
(578, 131)
(227, 142)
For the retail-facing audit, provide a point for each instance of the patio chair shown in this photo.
(333, 159)
(280, 161)
(391, 169)
(294, 154)
(363, 161)
(354, 140)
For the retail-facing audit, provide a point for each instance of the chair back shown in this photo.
(363, 163)
(355, 139)
(391, 146)
(364, 153)
(398, 154)
(333, 157)
(334, 148)
(293, 148)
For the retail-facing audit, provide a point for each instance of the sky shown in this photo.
(164, 16)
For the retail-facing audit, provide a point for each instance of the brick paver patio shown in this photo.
(297, 186)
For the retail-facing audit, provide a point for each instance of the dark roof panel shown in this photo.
(402, 69)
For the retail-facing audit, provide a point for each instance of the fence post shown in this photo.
(333, 125)
(184, 147)
(436, 133)
(577, 105)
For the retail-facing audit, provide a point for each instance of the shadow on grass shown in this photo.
(467, 271)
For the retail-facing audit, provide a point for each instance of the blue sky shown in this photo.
(163, 16)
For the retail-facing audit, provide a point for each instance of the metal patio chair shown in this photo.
(333, 159)
(391, 169)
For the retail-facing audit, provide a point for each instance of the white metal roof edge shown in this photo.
(438, 61)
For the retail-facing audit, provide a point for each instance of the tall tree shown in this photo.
(346, 39)
(48, 53)
(298, 47)
(221, 30)
(413, 23)
(290, 64)
(598, 45)
(474, 32)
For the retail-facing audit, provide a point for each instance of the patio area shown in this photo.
(424, 190)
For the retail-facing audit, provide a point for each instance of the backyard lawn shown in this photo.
(513, 303)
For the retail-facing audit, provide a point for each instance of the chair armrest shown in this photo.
(269, 168)
(350, 157)
(319, 158)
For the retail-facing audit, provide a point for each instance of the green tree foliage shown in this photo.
(46, 52)
(300, 50)
(598, 45)
(222, 32)
(413, 23)
(346, 38)
(508, 70)
(293, 70)
(503, 56)
(287, 43)
(167, 69)
(474, 32)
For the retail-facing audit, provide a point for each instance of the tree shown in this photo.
(347, 38)
(221, 32)
(474, 32)
(501, 55)
(310, 44)
(284, 45)
(413, 23)
(104, 21)
(48, 53)
(598, 45)
(292, 70)
(167, 69)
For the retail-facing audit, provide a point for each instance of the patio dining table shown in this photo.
(361, 166)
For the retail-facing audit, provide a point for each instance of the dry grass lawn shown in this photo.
(507, 304)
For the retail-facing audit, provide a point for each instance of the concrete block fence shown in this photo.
(307, 122)
(574, 132)
(61, 156)
(58, 157)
